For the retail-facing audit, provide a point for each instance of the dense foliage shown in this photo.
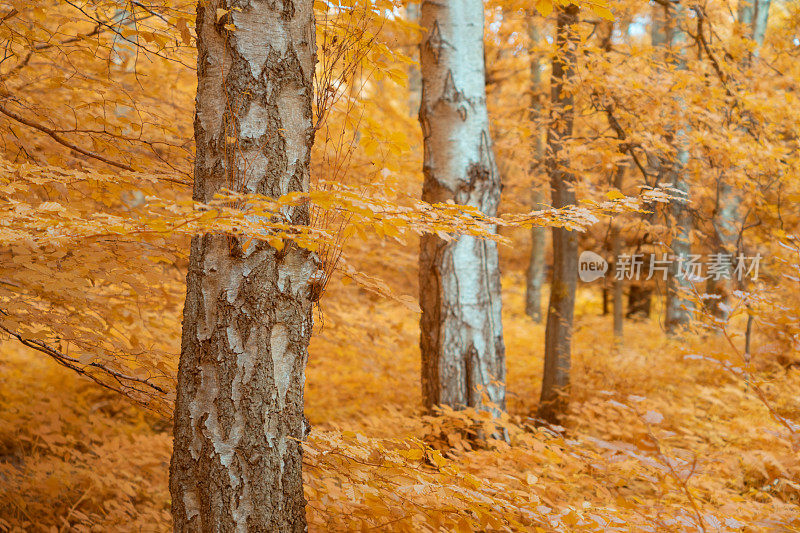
(698, 432)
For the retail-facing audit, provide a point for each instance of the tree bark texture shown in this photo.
(236, 464)
(558, 334)
(461, 337)
(534, 278)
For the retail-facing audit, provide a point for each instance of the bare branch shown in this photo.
(125, 381)
(61, 140)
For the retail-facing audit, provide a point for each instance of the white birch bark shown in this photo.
(461, 341)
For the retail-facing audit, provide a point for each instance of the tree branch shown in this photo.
(65, 360)
(61, 140)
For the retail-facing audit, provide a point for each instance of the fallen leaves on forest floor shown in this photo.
(656, 441)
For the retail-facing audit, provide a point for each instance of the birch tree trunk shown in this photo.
(461, 337)
(558, 334)
(236, 464)
(535, 274)
(678, 308)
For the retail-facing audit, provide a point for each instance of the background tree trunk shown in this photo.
(639, 301)
(535, 275)
(658, 27)
(616, 250)
(414, 76)
(558, 336)
(461, 337)
(752, 17)
(236, 464)
(678, 308)
(640, 294)
(534, 278)
(760, 20)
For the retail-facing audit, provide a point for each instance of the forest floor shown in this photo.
(655, 441)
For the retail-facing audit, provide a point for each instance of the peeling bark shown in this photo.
(236, 464)
(560, 313)
(461, 337)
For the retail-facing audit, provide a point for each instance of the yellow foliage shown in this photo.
(96, 212)
(76, 456)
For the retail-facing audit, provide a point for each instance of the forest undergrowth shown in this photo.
(664, 435)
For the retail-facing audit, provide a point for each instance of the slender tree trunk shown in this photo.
(605, 34)
(658, 27)
(726, 213)
(461, 337)
(760, 20)
(616, 249)
(752, 17)
(536, 266)
(236, 464)
(640, 293)
(678, 307)
(558, 335)
(640, 299)
(414, 76)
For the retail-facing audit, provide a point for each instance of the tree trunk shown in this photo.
(558, 335)
(236, 464)
(535, 275)
(616, 250)
(639, 301)
(726, 213)
(640, 295)
(534, 279)
(414, 77)
(658, 32)
(760, 20)
(752, 17)
(678, 307)
(461, 337)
